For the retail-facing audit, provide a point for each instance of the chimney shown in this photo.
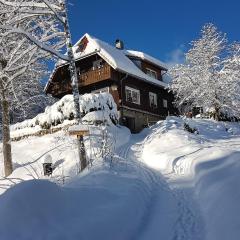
(119, 44)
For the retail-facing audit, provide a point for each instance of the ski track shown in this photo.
(188, 224)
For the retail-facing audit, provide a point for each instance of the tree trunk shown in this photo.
(72, 65)
(7, 153)
(74, 81)
(217, 114)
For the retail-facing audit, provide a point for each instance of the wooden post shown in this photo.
(80, 131)
(82, 153)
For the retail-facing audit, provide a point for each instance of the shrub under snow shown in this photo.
(96, 108)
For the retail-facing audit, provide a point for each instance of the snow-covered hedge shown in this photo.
(95, 108)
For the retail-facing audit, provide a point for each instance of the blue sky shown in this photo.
(160, 28)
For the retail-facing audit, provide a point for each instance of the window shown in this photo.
(132, 95)
(165, 103)
(153, 100)
(97, 64)
(137, 63)
(80, 48)
(151, 73)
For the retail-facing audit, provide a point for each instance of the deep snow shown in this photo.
(164, 183)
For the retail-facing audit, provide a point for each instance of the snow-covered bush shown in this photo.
(95, 109)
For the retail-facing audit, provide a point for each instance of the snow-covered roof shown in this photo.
(116, 58)
(146, 57)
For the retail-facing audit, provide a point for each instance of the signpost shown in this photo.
(80, 131)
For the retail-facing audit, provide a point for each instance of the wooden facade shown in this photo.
(103, 76)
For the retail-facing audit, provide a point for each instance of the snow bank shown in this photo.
(169, 141)
(29, 153)
(218, 192)
(107, 203)
(96, 108)
(208, 163)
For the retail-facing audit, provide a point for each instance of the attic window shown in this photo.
(151, 73)
(80, 48)
(82, 45)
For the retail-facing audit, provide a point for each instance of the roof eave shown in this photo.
(144, 79)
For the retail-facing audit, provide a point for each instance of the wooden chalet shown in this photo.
(135, 79)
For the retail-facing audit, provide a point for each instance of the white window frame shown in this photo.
(153, 96)
(152, 73)
(132, 90)
(165, 103)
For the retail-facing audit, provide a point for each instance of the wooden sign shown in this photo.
(78, 130)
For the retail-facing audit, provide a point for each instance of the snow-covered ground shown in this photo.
(164, 183)
(204, 166)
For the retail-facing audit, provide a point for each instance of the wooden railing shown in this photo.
(96, 75)
(86, 78)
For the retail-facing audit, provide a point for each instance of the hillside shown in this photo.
(164, 183)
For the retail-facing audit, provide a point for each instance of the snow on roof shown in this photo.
(146, 57)
(116, 58)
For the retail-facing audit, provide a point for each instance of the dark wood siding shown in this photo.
(61, 82)
(94, 79)
(146, 65)
(144, 89)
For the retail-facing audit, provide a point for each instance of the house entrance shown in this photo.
(129, 122)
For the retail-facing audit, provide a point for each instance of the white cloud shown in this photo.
(176, 56)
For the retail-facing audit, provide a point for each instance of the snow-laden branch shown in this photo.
(34, 40)
(60, 18)
(29, 4)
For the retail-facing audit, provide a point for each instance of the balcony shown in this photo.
(63, 86)
(94, 76)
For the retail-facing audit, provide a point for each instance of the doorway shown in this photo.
(129, 122)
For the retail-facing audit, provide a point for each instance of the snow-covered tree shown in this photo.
(207, 79)
(43, 25)
(19, 84)
(21, 64)
(231, 81)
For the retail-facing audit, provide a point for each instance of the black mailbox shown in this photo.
(47, 169)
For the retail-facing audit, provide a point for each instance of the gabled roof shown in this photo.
(116, 58)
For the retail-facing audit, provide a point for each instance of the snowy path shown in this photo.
(164, 183)
(174, 215)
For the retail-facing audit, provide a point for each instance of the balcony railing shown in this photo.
(86, 78)
(96, 75)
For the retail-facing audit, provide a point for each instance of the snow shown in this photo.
(96, 107)
(146, 57)
(207, 163)
(164, 183)
(78, 128)
(209, 78)
(116, 58)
